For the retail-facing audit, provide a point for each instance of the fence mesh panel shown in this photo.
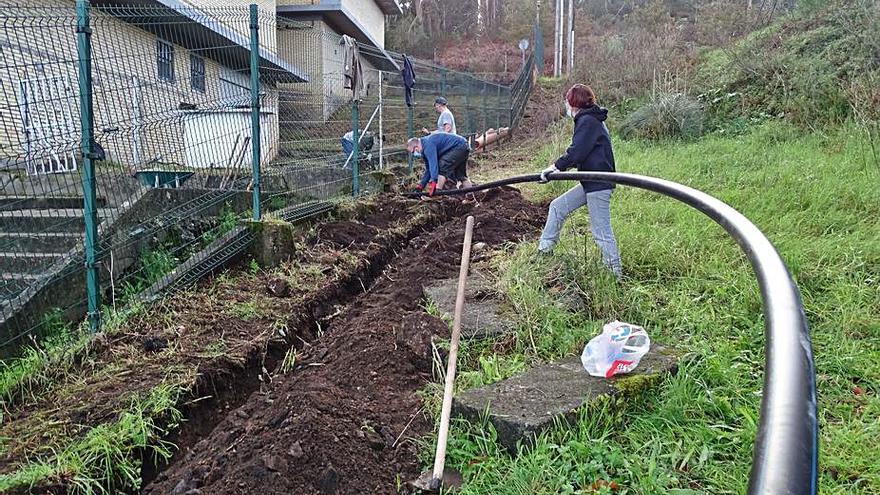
(171, 91)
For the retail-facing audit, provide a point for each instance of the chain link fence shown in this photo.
(135, 139)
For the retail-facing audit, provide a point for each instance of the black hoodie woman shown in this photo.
(590, 151)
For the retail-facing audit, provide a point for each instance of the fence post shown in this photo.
(381, 137)
(498, 111)
(409, 133)
(485, 116)
(467, 106)
(442, 82)
(256, 142)
(539, 49)
(87, 147)
(510, 115)
(355, 136)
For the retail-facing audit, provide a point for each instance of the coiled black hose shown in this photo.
(785, 456)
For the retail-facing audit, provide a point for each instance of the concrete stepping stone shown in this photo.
(525, 405)
(481, 319)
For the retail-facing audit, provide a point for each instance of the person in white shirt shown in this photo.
(446, 121)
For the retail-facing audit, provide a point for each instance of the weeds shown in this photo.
(289, 362)
(245, 311)
(228, 219)
(38, 363)
(667, 115)
(107, 458)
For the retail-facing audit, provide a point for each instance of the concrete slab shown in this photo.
(481, 319)
(525, 405)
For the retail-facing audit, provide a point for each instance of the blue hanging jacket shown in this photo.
(409, 80)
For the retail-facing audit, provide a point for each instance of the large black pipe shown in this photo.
(785, 457)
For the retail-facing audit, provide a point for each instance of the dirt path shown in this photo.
(343, 420)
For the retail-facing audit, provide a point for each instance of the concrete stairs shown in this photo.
(38, 237)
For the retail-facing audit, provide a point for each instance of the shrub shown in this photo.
(666, 115)
(801, 68)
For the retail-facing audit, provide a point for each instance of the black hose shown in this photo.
(785, 456)
(482, 187)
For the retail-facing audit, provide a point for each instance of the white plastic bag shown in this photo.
(618, 349)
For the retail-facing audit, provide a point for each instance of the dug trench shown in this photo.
(379, 236)
(348, 418)
(197, 341)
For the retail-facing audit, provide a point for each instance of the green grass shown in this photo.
(20, 375)
(39, 366)
(245, 311)
(799, 68)
(692, 288)
(107, 459)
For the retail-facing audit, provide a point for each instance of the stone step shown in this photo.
(44, 203)
(51, 220)
(40, 242)
(480, 319)
(27, 263)
(525, 405)
(42, 223)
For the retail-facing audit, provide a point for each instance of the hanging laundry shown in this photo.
(353, 72)
(409, 79)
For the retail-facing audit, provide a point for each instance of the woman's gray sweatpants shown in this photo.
(599, 205)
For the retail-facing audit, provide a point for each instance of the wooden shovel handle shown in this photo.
(440, 457)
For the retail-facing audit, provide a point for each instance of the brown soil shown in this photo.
(204, 341)
(343, 420)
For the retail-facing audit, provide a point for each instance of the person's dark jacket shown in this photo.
(590, 149)
(408, 74)
(434, 147)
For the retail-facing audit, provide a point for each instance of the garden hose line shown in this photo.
(785, 454)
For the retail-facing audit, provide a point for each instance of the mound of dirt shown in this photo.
(347, 234)
(342, 421)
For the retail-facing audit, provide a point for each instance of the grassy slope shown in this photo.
(691, 287)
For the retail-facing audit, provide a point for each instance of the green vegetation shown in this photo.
(804, 68)
(692, 288)
(666, 115)
(228, 219)
(107, 458)
(245, 311)
(37, 363)
(57, 354)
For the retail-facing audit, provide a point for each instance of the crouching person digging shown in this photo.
(445, 157)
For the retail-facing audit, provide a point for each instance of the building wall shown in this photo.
(301, 44)
(223, 7)
(367, 13)
(136, 114)
(370, 17)
(335, 94)
(318, 51)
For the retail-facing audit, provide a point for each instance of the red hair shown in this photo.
(580, 96)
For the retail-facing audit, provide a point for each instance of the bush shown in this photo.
(800, 68)
(622, 60)
(666, 115)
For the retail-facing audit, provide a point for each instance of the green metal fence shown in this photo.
(135, 138)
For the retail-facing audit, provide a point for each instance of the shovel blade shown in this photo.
(428, 484)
